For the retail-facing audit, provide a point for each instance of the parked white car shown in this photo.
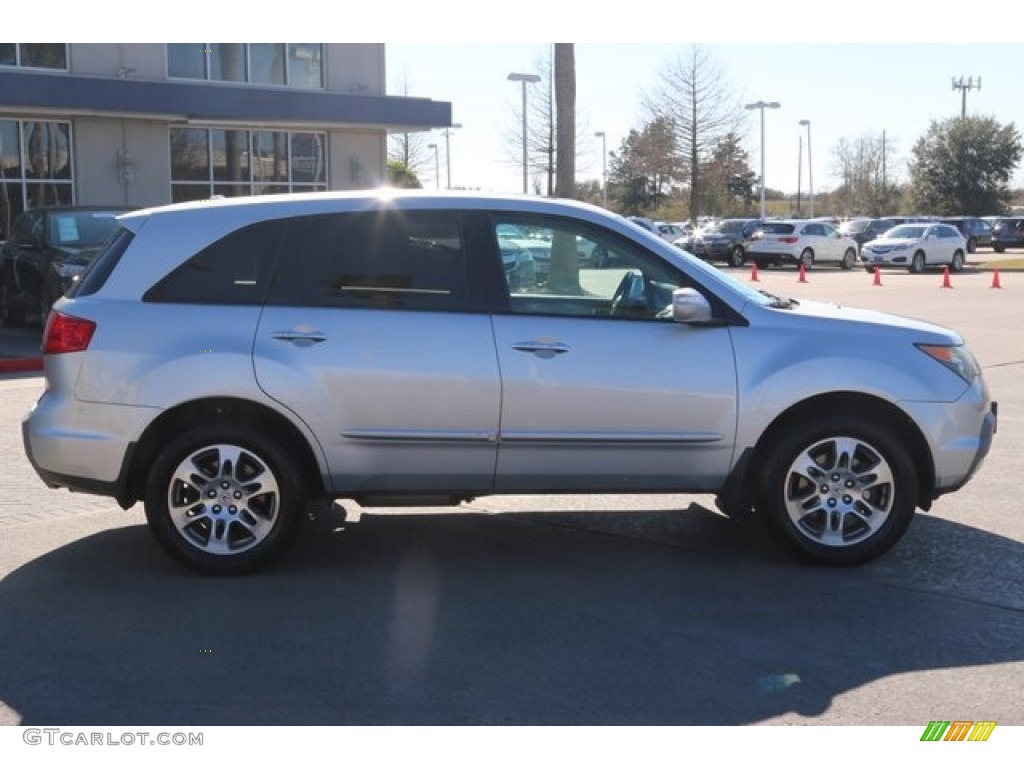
(916, 247)
(796, 241)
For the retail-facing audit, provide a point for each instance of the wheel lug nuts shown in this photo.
(238, 494)
(847, 499)
(232, 509)
(211, 494)
(831, 502)
(849, 483)
(835, 477)
(824, 489)
(216, 507)
(225, 485)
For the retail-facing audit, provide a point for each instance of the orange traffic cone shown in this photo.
(878, 277)
(995, 279)
(803, 274)
(753, 274)
(945, 278)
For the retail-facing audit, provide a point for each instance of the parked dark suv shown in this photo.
(977, 232)
(865, 230)
(1008, 232)
(47, 248)
(727, 241)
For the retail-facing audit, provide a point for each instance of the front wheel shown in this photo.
(958, 262)
(917, 263)
(998, 248)
(849, 259)
(841, 490)
(224, 499)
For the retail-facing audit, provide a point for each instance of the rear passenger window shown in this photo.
(235, 270)
(394, 259)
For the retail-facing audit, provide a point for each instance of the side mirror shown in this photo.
(690, 306)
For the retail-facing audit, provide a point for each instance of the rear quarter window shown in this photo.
(235, 270)
(97, 273)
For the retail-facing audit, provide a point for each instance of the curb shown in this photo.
(20, 364)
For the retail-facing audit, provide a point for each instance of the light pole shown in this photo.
(524, 78)
(604, 168)
(810, 168)
(448, 150)
(437, 167)
(762, 106)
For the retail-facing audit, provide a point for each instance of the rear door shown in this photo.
(374, 337)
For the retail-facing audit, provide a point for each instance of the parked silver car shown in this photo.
(227, 362)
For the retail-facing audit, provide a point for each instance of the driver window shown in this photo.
(556, 267)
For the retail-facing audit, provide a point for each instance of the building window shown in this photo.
(232, 162)
(34, 55)
(296, 65)
(35, 167)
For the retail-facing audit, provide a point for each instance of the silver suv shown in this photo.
(229, 362)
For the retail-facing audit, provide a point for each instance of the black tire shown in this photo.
(737, 256)
(972, 245)
(258, 501)
(998, 248)
(840, 489)
(918, 263)
(806, 258)
(958, 262)
(11, 314)
(849, 259)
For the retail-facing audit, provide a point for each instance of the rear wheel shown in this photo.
(11, 315)
(737, 256)
(224, 498)
(840, 490)
(998, 248)
(806, 258)
(917, 263)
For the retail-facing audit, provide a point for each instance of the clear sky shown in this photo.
(846, 90)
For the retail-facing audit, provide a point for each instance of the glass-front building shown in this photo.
(144, 124)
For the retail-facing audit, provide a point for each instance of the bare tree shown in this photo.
(861, 165)
(408, 150)
(693, 95)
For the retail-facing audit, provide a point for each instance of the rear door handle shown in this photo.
(302, 338)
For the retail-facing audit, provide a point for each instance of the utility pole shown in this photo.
(799, 170)
(960, 85)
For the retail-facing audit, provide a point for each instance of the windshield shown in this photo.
(732, 227)
(82, 229)
(856, 226)
(910, 233)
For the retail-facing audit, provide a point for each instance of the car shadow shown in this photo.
(651, 617)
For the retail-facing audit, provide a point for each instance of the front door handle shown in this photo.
(542, 348)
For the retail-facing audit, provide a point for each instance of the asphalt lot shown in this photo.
(576, 610)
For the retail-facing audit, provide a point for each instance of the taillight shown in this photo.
(65, 333)
(788, 240)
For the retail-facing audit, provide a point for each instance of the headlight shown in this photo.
(67, 270)
(957, 358)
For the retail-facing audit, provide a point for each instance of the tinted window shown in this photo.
(814, 229)
(234, 270)
(102, 266)
(777, 228)
(393, 259)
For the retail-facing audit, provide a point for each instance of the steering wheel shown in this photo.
(624, 300)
